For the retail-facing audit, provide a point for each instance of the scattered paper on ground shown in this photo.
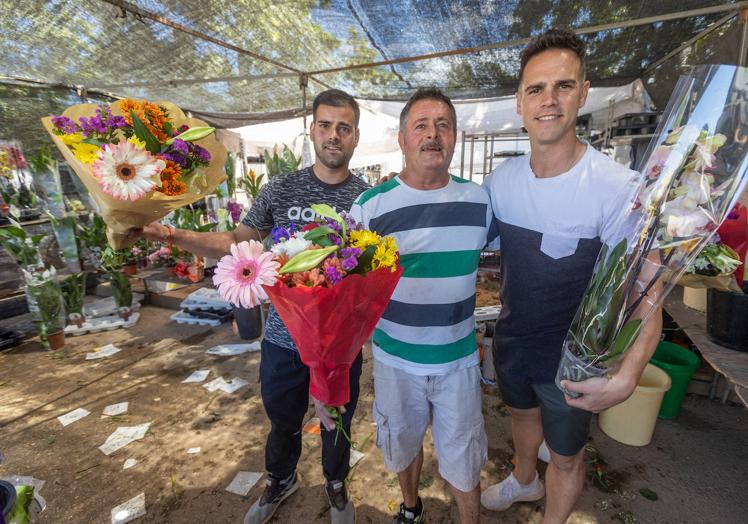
(103, 351)
(130, 510)
(113, 410)
(227, 387)
(227, 350)
(356, 457)
(76, 414)
(243, 482)
(312, 426)
(129, 463)
(192, 451)
(122, 436)
(197, 376)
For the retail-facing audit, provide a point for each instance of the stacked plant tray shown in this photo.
(101, 315)
(203, 307)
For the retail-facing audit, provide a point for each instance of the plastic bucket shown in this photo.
(680, 364)
(248, 322)
(726, 316)
(632, 422)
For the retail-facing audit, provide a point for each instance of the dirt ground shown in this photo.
(696, 465)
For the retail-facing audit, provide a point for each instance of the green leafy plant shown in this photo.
(24, 248)
(73, 290)
(280, 163)
(252, 183)
(45, 301)
(112, 261)
(187, 218)
(93, 234)
(230, 168)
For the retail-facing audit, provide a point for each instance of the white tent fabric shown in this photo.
(379, 123)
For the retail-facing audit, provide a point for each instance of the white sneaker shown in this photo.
(502, 495)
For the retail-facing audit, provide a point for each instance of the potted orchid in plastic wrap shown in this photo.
(139, 160)
(694, 172)
(330, 282)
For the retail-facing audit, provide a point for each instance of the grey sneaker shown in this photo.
(342, 510)
(276, 491)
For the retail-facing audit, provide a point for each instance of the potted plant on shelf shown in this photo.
(24, 248)
(46, 304)
(73, 290)
(188, 265)
(112, 261)
(712, 268)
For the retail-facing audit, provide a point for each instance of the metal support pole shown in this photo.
(472, 152)
(303, 84)
(485, 155)
(743, 50)
(462, 157)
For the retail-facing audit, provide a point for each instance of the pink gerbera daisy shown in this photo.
(241, 275)
(126, 171)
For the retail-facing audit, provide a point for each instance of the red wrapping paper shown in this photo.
(734, 233)
(329, 325)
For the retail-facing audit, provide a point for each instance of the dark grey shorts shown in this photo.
(566, 429)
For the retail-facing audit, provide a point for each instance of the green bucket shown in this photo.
(680, 364)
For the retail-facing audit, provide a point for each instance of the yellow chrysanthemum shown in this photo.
(384, 257)
(364, 239)
(71, 139)
(137, 142)
(86, 153)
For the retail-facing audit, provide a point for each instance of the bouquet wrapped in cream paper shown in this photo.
(138, 160)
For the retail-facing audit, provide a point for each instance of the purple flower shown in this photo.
(65, 124)
(116, 122)
(332, 224)
(350, 252)
(349, 263)
(235, 210)
(350, 222)
(181, 146)
(92, 125)
(201, 153)
(335, 239)
(333, 274)
(279, 233)
(177, 158)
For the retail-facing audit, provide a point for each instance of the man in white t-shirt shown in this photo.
(555, 208)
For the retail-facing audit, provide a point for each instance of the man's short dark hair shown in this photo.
(336, 98)
(553, 39)
(427, 93)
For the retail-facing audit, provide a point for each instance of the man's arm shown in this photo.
(208, 244)
(599, 394)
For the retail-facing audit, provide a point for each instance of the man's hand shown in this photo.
(385, 178)
(599, 393)
(155, 232)
(325, 418)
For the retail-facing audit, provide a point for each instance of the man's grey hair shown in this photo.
(427, 93)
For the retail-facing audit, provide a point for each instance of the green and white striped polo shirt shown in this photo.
(428, 326)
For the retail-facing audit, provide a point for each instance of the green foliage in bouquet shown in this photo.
(715, 260)
(93, 234)
(597, 318)
(280, 163)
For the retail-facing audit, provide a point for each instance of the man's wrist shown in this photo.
(169, 237)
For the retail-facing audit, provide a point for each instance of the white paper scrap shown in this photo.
(356, 457)
(130, 510)
(227, 387)
(243, 482)
(129, 463)
(76, 414)
(103, 351)
(122, 436)
(197, 376)
(192, 451)
(113, 410)
(227, 350)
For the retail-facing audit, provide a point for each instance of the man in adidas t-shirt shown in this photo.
(555, 208)
(425, 357)
(285, 200)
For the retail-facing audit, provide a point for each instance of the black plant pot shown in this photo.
(249, 322)
(7, 499)
(727, 318)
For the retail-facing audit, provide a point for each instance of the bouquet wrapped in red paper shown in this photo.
(330, 283)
